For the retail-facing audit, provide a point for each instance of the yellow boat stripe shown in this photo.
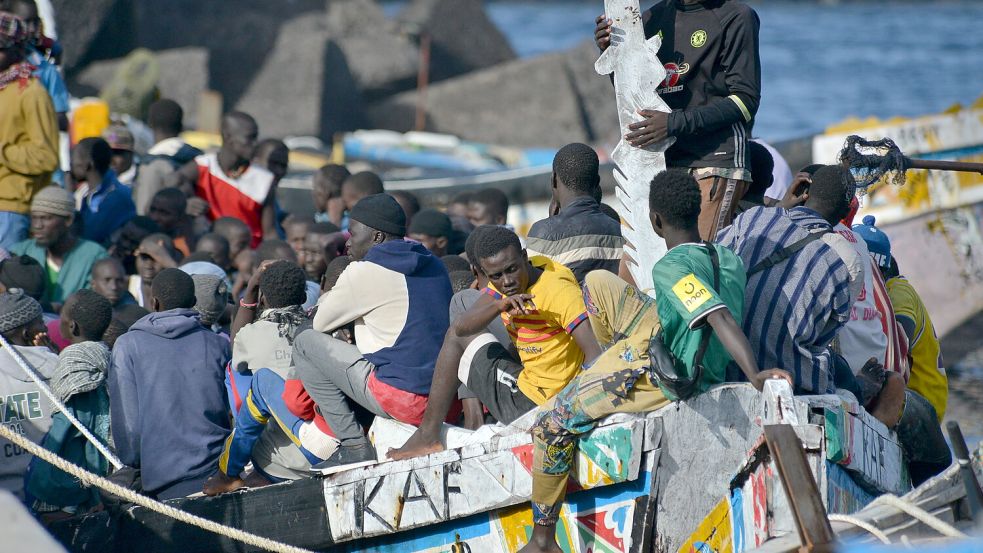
(740, 104)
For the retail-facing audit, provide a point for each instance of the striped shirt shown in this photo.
(793, 310)
(580, 237)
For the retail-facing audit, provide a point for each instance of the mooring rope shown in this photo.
(91, 479)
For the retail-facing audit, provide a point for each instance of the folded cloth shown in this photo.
(81, 368)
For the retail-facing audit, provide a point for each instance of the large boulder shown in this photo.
(93, 29)
(382, 60)
(304, 86)
(527, 103)
(595, 93)
(183, 76)
(462, 36)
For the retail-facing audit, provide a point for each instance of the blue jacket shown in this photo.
(108, 209)
(167, 391)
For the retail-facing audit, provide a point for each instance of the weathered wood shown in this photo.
(800, 486)
(864, 446)
(634, 62)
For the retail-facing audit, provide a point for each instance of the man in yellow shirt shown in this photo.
(543, 309)
(28, 133)
(928, 386)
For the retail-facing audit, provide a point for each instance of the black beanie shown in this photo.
(432, 223)
(24, 272)
(380, 212)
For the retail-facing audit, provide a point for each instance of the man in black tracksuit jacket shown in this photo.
(713, 85)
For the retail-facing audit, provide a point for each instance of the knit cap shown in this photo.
(431, 222)
(380, 212)
(16, 310)
(211, 297)
(53, 200)
(877, 242)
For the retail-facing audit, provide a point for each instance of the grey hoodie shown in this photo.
(23, 409)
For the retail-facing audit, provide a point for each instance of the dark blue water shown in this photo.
(820, 63)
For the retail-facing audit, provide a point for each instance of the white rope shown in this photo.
(91, 479)
(862, 524)
(924, 516)
(27, 368)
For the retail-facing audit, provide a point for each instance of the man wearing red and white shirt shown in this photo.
(230, 184)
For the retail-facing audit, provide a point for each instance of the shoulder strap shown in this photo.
(706, 331)
(787, 252)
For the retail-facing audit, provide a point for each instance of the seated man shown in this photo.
(397, 294)
(22, 273)
(169, 418)
(109, 281)
(294, 231)
(433, 229)
(261, 355)
(699, 289)
(168, 208)
(67, 258)
(216, 246)
(326, 193)
(577, 233)
(106, 203)
(488, 206)
(26, 409)
(235, 232)
(542, 308)
(156, 253)
(323, 242)
(126, 240)
(358, 186)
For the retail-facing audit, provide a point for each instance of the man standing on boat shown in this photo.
(713, 85)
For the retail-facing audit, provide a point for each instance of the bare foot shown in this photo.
(889, 404)
(418, 445)
(220, 483)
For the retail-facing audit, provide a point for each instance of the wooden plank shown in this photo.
(864, 446)
(800, 486)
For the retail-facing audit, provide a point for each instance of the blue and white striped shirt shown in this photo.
(792, 310)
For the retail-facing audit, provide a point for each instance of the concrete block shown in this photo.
(304, 86)
(463, 37)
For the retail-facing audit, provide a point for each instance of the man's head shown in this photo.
(333, 272)
(167, 209)
(409, 202)
(455, 263)
(488, 206)
(461, 280)
(123, 319)
(236, 232)
(52, 213)
(128, 239)
(166, 118)
(374, 219)
(322, 244)
(360, 185)
(500, 257)
(575, 172)
(149, 268)
(433, 229)
(326, 185)
(27, 11)
(121, 142)
(674, 201)
(13, 36)
(239, 134)
(273, 249)
(211, 297)
(274, 155)
(90, 157)
(85, 317)
(459, 205)
(295, 229)
(762, 173)
(108, 279)
(217, 247)
(283, 284)
(172, 289)
(830, 193)
(20, 318)
(21, 272)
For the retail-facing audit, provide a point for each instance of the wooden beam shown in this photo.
(815, 532)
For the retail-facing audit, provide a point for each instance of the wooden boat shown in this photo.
(689, 474)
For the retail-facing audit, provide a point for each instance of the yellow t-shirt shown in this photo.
(927, 373)
(550, 356)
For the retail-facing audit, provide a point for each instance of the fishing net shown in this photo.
(873, 160)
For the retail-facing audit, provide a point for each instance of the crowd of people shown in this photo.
(216, 342)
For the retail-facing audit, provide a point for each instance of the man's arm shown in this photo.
(908, 325)
(125, 414)
(345, 303)
(732, 338)
(741, 64)
(39, 153)
(583, 334)
(268, 216)
(485, 310)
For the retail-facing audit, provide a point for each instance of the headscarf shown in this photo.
(81, 368)
(289, 320)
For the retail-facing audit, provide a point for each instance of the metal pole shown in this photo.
(962, 166)
(27, 368)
